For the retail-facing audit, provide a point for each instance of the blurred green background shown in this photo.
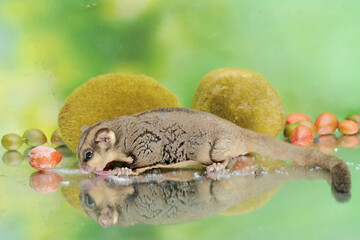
(308, 50)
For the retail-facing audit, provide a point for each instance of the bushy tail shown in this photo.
(268, 146)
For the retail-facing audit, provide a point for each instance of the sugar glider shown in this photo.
(177, 137)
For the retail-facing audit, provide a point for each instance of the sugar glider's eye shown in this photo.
(89, 201)
(88, 154)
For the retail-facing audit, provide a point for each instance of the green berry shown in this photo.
(289, 128)
(34, 137)
(12, 141)
(355, 118)
(12, 158)
(56, 138)
(27, 151)
(65, 151)
(68, 157)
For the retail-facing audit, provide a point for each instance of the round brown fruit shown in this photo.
(109, 96)
(243, 97)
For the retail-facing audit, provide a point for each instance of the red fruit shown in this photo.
(326, 123)
(327, 143)
(308, 124)
(348, 141)
(44, 158)
(355, 118)
(348, 127)
(45, 182)
(295, 117)
(302, 136)
(244, 163)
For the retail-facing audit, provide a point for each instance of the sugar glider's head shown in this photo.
(104, 201)
(96, 147)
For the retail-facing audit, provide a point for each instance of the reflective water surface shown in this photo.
(241, 202)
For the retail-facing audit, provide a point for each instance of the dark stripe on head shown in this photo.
(84, 136)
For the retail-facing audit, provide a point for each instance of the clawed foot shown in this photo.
(124, 171)
(215, 167)
(214, 171)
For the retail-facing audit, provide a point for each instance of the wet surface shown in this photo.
(255, 197)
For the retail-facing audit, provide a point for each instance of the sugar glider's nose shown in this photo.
(106, 219)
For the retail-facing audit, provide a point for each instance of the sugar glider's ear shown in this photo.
(105, 137)
(84, 128)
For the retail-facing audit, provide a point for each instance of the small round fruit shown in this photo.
(355, 118)
(45, 182)
(65, 151)
(12, 158)
(302, 136)
(56, 138)
(68, 157)
(295, 117)
(348, 127)
(34, 137)
(308, 124)
(326, 123)
(27, 151)
(289, 128)
(327, 143)
(44, 158)
(12, 141)
(348, 141)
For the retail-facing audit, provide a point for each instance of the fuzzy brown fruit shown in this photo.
(243, 97)
(109, 96)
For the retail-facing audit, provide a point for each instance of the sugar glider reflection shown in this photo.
(178, 198)
(176, 137)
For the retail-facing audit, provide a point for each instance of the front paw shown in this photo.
(215, 167)
(215, 171)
